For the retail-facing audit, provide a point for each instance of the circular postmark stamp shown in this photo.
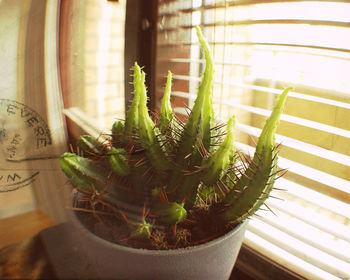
(24, 135)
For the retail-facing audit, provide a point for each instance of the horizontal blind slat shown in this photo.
(224, 4)
(241, 43)
(300, 249)
(313, 52)
(260, 21)
(303, 232)
(216, 62)
(325, 224)
(288, 118)
(314, 197)
(288, 260)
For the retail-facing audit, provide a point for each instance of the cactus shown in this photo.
(167, 168)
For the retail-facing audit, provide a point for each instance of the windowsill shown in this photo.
(254, 265)
(79, 123)
(22, 227)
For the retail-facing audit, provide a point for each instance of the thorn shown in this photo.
(282, 170)
(150, 178)
(140, 162)
(280, 176)
(89, 211)
(270, 183)
(246, 176)
(189, 221)
(275, 197)
(144, 174)
(188, 173)
(215, 197)
(71, 148)
(277, 146)
(186, 157)
(274, 166)
(268, 207)
(258, 156)
(124, 217)
(251, 138)
(219, 126)
(229, 177)
(227, 189)
(249, 212)
(252, 170)
(164, 143)
(279, 189)
(144, 210)
(250, 161)
(163, 196)
(220, 189)
(242, 160)
(186, 106)
(219, 135)
(274, 157)
(205, 152)
(199, 151)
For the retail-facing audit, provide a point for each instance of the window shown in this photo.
(92, 62)
(259, 48)
(98, 45)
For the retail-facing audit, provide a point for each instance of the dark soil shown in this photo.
(200, 226)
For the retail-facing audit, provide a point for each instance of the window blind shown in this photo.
(259, 48)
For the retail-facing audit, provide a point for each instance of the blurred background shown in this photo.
(78, 53)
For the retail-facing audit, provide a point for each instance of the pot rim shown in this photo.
(199, 247)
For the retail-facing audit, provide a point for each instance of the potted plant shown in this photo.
(174, 195)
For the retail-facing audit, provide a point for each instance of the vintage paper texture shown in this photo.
(32, 134)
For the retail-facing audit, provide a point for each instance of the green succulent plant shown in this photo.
(152, 172)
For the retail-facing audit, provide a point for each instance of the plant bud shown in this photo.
(89, 145)
(170, 212)
(140, 231)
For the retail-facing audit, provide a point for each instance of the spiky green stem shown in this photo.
(216, 164)
(166, 112)
(196, 130)
(132, 117)
(89, 145)
(117, 134)
(254, 186)
(148, 132)
(117, 159)
(201, 117)
(84, 173)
